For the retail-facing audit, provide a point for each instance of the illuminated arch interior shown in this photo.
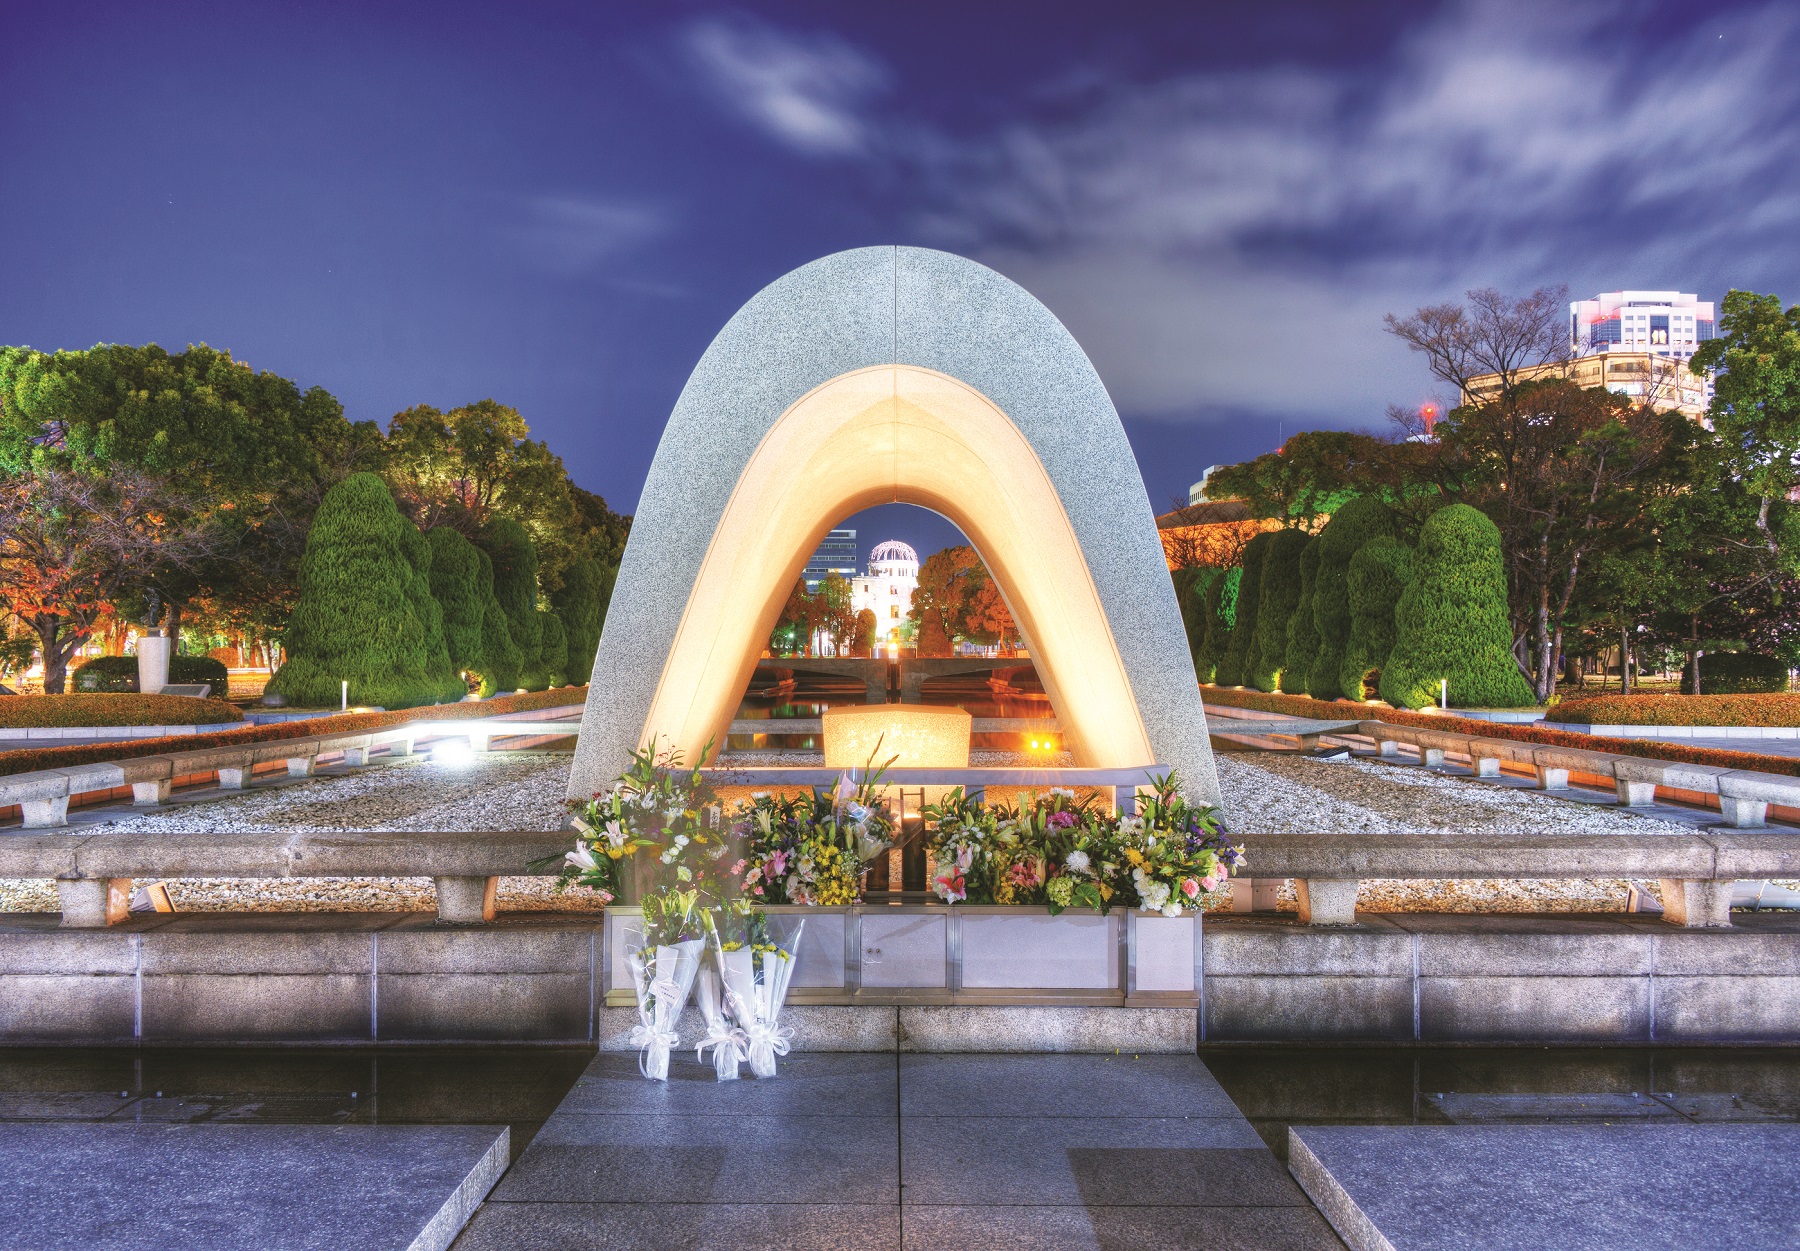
(898, 433)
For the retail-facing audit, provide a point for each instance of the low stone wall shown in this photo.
(402, 979)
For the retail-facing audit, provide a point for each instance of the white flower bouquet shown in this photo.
(663, 969)
(756, 965)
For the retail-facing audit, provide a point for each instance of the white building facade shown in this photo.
(1668, 324)
(886, 590)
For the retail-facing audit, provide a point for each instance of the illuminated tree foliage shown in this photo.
(1302, 631)
(1354, 524)
(1240, 655)
(1377, 576)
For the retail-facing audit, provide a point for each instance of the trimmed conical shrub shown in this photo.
(449, 684)
(1302, 633)
(581, 603)
(1451, 623)
(553, 655)
(1191, 585)
(500, 659)
(1221, 615)
(455, 585)
(515, 585)
(358, 619)
(1354, 524)
(1280, 592)
(1378, 574)
(1240, 655)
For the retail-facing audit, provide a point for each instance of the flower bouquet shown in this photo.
(1174, 850)
(1053, 851)
(663, 968)
(812, 850)
(656, 828)
(733, 926)
(757, 964)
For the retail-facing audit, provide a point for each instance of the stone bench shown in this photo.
(1696, 870)
(93, 872)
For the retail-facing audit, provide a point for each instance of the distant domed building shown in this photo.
(886, 590)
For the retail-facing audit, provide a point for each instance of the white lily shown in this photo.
(583, 859)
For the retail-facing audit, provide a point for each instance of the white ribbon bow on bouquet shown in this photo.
(656, 1034)
(727, 1047)
(765, 1043)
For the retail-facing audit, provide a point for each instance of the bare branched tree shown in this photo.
(1490, 334)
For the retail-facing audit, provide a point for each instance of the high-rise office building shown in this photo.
(836, 554)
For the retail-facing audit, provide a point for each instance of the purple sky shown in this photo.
(557, 205)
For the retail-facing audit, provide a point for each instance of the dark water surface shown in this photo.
(1279, 1087)
(516, 1086)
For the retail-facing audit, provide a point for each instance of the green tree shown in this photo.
(581, 603)
(1279, 592)
(1221, 615)
(863, 642)
(455, 585)
(1302, 631)
(939, 601)
(1311, 475)
(836, 616)
(448, 683)
(1756, 412)
(515, 587)
(1378, 575)
(553, 655)
(792, 635)
(502, 660)
(1354, 524)
(356, 620)
(1451, 622)
(1241, 655)
(1191, 587)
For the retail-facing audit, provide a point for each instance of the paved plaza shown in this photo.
(888, 1151)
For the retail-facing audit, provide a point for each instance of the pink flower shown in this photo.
(777, 865)
(738, 868)
(1191, 888)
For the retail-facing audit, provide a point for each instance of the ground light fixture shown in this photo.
(453, 752)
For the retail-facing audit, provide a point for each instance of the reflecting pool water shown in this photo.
(807, 698)
(1278, 1087)
(515, 1086)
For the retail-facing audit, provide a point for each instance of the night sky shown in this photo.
(559, 205)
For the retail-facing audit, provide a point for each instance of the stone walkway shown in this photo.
(914, 1151)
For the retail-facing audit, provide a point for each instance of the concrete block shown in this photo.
(1757, 945)
(465, 900)
(1389, 747)
(356, 757)
(1728, 1009)
(1375, 949)
(43, 814)
(232, 947)
(1487, 766)
(1636, 794)
(233, 779)
(46, 949)
(310, 1007)
(1743, 814)
(415, 948)
(149, 794)
(1570, 947)
(1434, 757)
(66, 1007)
(1552, 779)
(498, 1007)
(1770, 788)
(1302, 1008)
(1062, 1029)
(300, 766)
(1327, 901)
(1534, 1009)
(93, 903)
(1697, 904)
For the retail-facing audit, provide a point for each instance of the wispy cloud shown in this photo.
(1228, 240)
(804, 91)
(574, 235)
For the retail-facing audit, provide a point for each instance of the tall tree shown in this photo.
(1490, 333)
(836, 616)
(1756, 412)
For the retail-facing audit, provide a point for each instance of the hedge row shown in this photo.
(1737, 673)
(118, 674)
(1344, 710)
(344, 723)
(1745, 710)
(45, 712)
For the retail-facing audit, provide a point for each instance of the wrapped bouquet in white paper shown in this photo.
(663, 969)
(729, 931)
(757, 970)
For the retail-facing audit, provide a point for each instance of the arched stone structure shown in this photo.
(880, 375)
